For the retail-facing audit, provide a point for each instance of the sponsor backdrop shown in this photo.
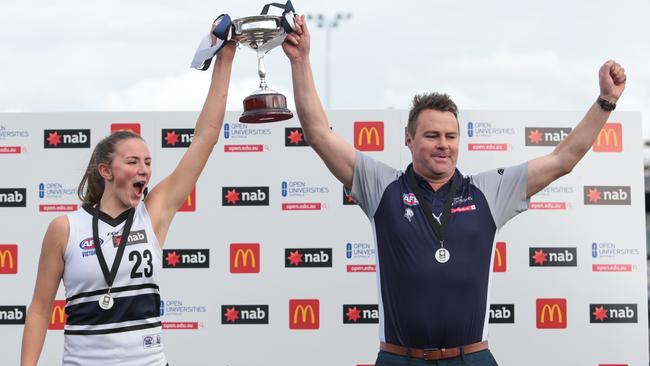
(268, 261)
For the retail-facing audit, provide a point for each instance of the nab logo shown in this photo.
(294, 137)
(8, 258)
(607, 195)
(133, 127)
(551, 313)
(245, 258)
(189, 205)
(304, 314)
(245, 196)
(552, 257)
(12, 314)
(61, 139)
(307, 257)
(135, 237)
(369, 136)
(613, 313)
(545, 136)
(502, 313)
(177, 137)
(244, 314)
(610, 138)
(58, 317)
(347, 199)
(13, 197)
(186, 258)
(360, 314)
(500, 257)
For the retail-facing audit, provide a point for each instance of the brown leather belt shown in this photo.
(432, 353)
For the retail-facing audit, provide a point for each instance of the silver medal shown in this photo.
(106, 301)
(442, 255)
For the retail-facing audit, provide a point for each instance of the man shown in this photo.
(435, 228)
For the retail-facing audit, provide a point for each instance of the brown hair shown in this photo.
(435, 101)
(91, 187)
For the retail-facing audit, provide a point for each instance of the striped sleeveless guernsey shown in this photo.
(130, 332)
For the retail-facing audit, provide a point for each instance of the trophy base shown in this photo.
(263, 108)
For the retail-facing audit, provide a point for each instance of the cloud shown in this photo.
(181, 92)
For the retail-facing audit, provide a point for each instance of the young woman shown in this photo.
(109, 251)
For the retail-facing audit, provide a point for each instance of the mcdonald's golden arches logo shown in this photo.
(551, 313)
(369, 136)
(245, 258)
(190, 202)
(499, 257)
(58, 316)
(304, 314)
(610, 138)
(133, 127)
(8, 258)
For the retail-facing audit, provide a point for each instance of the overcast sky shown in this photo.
(509, 55)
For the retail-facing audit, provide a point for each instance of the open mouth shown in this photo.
(139, 188)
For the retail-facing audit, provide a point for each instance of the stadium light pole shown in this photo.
(329, 23)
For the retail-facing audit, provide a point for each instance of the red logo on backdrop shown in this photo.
(610, 138)
(245, 258)
(58, 207)
(487, 147)
(10, 149)
(58, 316)
(133, 127)
(190, 202)
(8, 258)
(369, 136)
(551, 313)
(304, 314)
(180, 325)
(499, 257)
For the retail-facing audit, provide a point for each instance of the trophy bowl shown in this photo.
(261, 33)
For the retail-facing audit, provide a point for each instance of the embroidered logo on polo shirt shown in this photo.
(463, 209)
(409, 199)
(408, 214)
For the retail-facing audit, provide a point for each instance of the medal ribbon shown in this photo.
(439, 229)
(110, 276)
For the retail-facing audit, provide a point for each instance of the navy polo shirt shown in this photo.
(423, 303)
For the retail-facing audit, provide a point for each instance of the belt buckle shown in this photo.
(431, 351)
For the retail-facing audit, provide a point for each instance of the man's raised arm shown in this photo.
(544, 170)
(337, 153)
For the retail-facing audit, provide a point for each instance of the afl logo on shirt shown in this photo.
(409, 199)
(88, 246)
(89, 243)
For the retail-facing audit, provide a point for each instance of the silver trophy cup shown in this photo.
(262, 33)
